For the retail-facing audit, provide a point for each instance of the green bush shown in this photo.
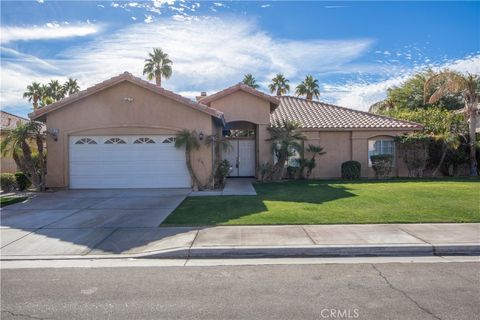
(7, 180)
(351, 170)
(382, 164)
(292, 172)
(265, 170)
(223, 169)
(22, 181)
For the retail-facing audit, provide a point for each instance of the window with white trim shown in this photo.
(143, 140)
(376, 147)
(115, 141)
(86, 141)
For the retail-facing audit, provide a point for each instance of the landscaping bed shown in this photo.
(5, 201)
(338, 202)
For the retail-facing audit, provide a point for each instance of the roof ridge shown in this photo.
(240, 86)
(15, 115)
(354, 110)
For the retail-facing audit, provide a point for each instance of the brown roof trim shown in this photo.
(126, 76)
(240, 87)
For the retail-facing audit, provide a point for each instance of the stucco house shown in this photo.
(120, 134)
(9, 121)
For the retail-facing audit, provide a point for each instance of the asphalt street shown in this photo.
(334, 291)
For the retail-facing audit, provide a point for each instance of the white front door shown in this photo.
(126, 162)
(241, 157)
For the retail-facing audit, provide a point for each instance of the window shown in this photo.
(169, 140)
(143, 140)
(294, 158)
(380, 147)
(115, 141)
(86, 141)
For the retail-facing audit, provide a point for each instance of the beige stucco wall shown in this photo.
(341, 146)
(106, 113)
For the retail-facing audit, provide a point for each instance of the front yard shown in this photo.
(330, 202)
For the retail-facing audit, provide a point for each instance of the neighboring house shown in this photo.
(8, 122)
(120, 134)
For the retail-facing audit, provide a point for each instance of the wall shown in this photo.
(106, 113)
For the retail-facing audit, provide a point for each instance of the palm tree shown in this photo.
(309, 88)
(16, 144)
(158, 66)
(71, 86)
(311, 163)
(55, 90)
(189, 140)
(285, 137)
(220, 144)
(468, 85)
(34, 93)
(250, 81)
(279, 85)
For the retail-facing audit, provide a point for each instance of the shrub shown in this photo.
(7, 181)
(265, 170)
(310, 165)
(382, 164)
(223, 169)
(22, 181)
(414, 150)
(292, 172)
(351, 170)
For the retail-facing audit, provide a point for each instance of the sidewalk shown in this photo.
(256, 241)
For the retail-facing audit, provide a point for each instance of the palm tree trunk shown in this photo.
(444, 154)
(35, 103)
(472, 133)
(42, 162)
(195, 182)
(158, 80)
(309, 96)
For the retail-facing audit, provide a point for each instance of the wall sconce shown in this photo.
(201, 136)
(54, 133)
(128, 99)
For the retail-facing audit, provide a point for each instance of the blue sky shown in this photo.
(356, 49)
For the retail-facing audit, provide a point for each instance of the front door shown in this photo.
(241, 157)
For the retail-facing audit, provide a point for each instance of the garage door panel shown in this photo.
(127, 165)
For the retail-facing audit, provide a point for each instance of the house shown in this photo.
(8, 122)
(120, 133)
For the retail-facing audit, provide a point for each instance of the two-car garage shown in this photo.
(126, 161)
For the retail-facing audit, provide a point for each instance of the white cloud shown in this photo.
(160, 3)
(218, 4)
(40, 1)
(100, 5)
(134, 18)
(148, 18)
(51, 30)
(265, 5)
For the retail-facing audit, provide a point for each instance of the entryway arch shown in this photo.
(242, 154)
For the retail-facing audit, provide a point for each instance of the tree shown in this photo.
(189, 140)
(17, 144)
(71, 86)
(158, 66)
(285, 139)
(311, 163)
(309, 88)
(250, 81)
(34, 93)
(55, 90)
(279, 85)
(219, 143)
(468, 85)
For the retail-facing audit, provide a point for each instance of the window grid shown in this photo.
(376, 147)
(115, 141)
(86, 141)
(143, 140)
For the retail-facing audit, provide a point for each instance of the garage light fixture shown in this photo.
(201, 136)
(54, 133)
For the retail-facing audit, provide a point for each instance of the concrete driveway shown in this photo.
(78, 221)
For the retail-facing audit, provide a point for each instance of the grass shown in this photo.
(5, 201)
(338, 202)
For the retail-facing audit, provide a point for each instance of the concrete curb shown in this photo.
(397, 250)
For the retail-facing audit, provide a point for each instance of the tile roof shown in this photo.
(126, 76)
(10, 121)
(240, 87)
(319, 115)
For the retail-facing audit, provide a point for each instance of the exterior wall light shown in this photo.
(54, 133)
(128, 99)
(201, 136)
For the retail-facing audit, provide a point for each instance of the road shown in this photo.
(339, 291)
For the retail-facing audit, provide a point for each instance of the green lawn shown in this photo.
(328, 202)
(5, 201)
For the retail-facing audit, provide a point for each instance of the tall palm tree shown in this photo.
(189, 140)
(71, 86)
(468, 85)
(55, 90)
(279, 85)
(17, 144)
(309, 88)
(158, 66)
(285, 137)
(250, 81)
(34, 93)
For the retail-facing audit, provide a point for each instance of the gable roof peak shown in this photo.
(243, 87)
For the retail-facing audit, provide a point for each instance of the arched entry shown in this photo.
(242, 154)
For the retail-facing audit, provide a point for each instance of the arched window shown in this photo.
(143, 140)
(86, 141)
(115, 141)
(169, 140)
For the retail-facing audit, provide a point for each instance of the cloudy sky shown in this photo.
(355, 49)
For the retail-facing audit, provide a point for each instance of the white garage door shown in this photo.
(126, 162)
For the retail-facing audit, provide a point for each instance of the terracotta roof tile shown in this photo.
(126, 76)
(315, 114)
